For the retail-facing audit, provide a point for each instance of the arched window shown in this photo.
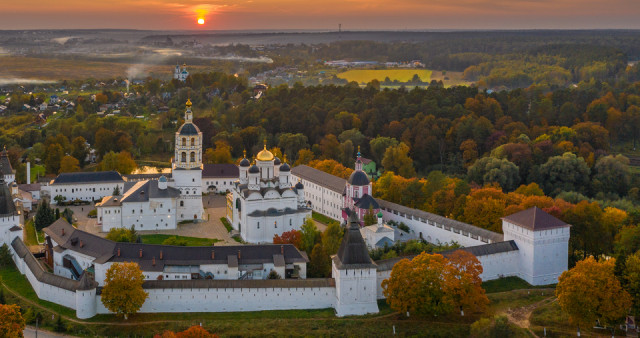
(192, 157)
(183, 157)
(184, 141)
(193, 141)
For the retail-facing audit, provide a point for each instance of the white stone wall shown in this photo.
(355, 291)
(543, 254)
(499, 265)
(263, 229)
(222, 184)
(85, 192)
(323, 200)
(234, 299)
(433, 232)
(155, 214)
(189, 182)
(6, 223)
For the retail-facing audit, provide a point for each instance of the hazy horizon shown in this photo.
(322, 15)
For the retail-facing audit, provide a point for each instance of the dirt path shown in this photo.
(520, 316)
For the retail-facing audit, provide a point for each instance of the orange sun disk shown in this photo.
(200, 21)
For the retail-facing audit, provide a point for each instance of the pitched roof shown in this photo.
(5, 164)
(353, 252)
(29, 187)
(535, 219)
(7, 206)
(366, 201)
(88, 177)
(320, 178)
(220, 170)
(143, 190)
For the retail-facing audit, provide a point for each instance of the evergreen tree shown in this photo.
(116, 191)
(44, 216)
(5, 256)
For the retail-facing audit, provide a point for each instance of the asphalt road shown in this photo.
(30, 332)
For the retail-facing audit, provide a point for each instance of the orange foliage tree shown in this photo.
(332, 167)
(439, 285)
(195, 331)
(289, 237)
(12, 324)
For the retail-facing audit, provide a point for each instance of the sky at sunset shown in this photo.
(320, 14)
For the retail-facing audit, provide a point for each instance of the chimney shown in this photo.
(140, 253)
(160, 254)
(81, 244)
(213, 254)
(118, 252)
(282, 249)
(239, 254)
(62, 231)
(28, 172)
(153, 261)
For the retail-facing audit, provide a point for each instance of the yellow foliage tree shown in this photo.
(123, 293)
(69, 164)
(590, 291)
(12, 324)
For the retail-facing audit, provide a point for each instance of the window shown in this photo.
(133, 211)
(192, 157)
(182, 203)
(184, 141)
(183, 157)
(258, 225)
(193, 141)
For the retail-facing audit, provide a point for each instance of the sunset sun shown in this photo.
(200, 21)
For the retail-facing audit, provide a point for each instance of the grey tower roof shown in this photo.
(353, 252)
(535, 219)
(188, 129)
(358, 178)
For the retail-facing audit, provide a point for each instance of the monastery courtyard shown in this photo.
(215, 208)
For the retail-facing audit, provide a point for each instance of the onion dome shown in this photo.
(285, 167)
(254, 169)
(188, 129)
(299, 185)
(162, 179)
(245, 161)
(276, 161)
(265, 155)
(358, 178)
(189, 104)
(380, 214)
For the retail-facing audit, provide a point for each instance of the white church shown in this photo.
(160, 204)
(181, 74)
(264, 202)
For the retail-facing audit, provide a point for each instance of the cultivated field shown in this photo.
(402, 75)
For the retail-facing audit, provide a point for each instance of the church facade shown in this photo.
(181, 74)
(264, 201)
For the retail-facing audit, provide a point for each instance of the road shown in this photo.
(30, 332)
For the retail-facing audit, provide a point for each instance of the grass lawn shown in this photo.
(322, 218)
(31, 234)
(36, 171)
(508, 284)
(402, 75)
(191, 241)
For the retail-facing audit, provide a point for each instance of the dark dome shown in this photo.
(276, 161)
(358, 178)
(245, 163)
(285, 167)
(189, 129)
(299, 185)
(254, 169)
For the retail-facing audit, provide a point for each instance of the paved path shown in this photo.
(212, 227)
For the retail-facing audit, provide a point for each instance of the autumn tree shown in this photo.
(123, 293)
(220, 154)
(379, 146)
(396, 159)
(331, 238)
(331, 167)
(121, 162)
(12, 323)
(611, 174)
(590, 291)
(69, 164)
(53, 158)
(79, 149)
(469, 150)
(439, 285)
(289, 237)
(195, 331)
(304, 157)
(631, 280)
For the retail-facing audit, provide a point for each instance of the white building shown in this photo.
(147, 205)
(264, 202)
(378, 235)
(186, 169)
(219, 178)
(84, 186)
(324, 191)
(181, 74)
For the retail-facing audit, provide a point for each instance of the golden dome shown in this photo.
(265, 155)
(189, 104)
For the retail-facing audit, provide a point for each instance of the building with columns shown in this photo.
(265, 201)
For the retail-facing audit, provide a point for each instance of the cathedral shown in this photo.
(181, 74)
(357, 194)
(264, 202)
(161, 204)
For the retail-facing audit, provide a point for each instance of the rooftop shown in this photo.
(88, 177)
(353, 252)
(535, 219)
(220, 170)
(319, 177)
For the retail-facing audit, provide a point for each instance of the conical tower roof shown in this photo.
(353, 252)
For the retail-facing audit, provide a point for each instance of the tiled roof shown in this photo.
(353, 252)
(143, 190)
(320, 178)
(88, 177)
(220, 170)
(366, 201)
(29, 187)
(535, 219)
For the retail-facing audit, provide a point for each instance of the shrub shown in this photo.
(226, 223)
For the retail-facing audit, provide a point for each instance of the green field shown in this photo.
(402, 75)
(191, 241)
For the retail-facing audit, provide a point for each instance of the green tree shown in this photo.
(564, 173)
(44, 215)
(310, 235)
(632, 281)
(611, 174)
(379, 146)
(331, 238)
(293, 144)
(54, 155)
(491, 169)
(5, 256)
(80, 150)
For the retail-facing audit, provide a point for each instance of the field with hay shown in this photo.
(402, 75)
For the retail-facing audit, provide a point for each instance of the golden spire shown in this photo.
(284, 158)
(244, 153)
(189, 104)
